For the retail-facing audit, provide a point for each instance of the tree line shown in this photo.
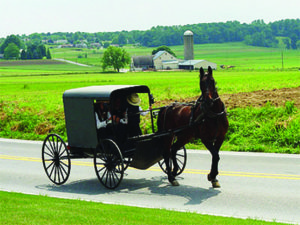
(257, 33)
(13, 48)
(283, 34)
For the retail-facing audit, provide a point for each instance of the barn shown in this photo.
(140, 63)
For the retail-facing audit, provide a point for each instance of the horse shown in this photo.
(206, 119)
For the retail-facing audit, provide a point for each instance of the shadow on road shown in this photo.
(155, 186)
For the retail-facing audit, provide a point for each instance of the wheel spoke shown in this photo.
(102, 168)
(62, 172)
(62, 169)
(105, 172)
(51, 164)
(62, 163)
(55, 171)
(61, 154)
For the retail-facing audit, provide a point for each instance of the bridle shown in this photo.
(205, 105)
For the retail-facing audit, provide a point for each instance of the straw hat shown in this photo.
(134, 99)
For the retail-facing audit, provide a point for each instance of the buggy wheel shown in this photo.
(56, 159)
(181, 161)
(108, 163)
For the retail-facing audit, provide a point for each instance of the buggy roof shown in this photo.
(104, 92)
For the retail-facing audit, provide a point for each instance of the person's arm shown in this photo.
(99, 124)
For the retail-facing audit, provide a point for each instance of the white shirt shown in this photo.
(101, 124)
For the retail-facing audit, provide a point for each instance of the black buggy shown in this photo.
(112, 150)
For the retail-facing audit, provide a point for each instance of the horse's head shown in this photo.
(208, 87)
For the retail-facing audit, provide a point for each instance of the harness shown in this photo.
(206, 111)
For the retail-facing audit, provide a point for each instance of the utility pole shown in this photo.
(282, 60)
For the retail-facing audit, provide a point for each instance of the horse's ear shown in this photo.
(209, 71)
(201, 73)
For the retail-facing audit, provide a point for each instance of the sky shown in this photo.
(42, 16)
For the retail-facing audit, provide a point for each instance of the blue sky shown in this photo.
(30, 16)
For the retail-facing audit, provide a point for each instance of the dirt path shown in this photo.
(276, 97)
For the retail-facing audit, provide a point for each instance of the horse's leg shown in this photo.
(175, 147)
(214, 151)
(174, 150)
(166, 155)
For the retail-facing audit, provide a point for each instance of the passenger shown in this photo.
(119, 122)
(134, 111)
(103, 119)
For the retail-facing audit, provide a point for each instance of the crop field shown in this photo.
(262, 99)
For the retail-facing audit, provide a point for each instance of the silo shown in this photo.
(188, 39)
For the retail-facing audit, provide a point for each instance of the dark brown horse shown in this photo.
(206, 119)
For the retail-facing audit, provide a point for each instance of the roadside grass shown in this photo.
(24, 209)
(264, 129)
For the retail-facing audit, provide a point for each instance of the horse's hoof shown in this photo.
(175, 183)
(208, 177)
(215, 184)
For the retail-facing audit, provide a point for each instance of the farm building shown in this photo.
(139, 63)
(163, 60)
(196, 64)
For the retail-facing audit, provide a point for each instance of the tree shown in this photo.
(48, 54)
(115, 57)
(106, 44)
(10, 39)
(11, 51)
(42, 50)
(23, 54)
(298, 44)
(122, 39)
(294, 40)
(163, 48)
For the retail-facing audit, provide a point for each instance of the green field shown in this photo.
(31, 93)
(237, 54)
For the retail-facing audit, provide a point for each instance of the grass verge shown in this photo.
(30, 209)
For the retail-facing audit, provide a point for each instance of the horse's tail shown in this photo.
(159, 120)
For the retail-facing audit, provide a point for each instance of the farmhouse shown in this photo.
(163, 59)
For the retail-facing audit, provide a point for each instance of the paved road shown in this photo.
(262, 186)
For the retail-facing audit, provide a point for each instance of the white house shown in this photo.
(164, 60)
